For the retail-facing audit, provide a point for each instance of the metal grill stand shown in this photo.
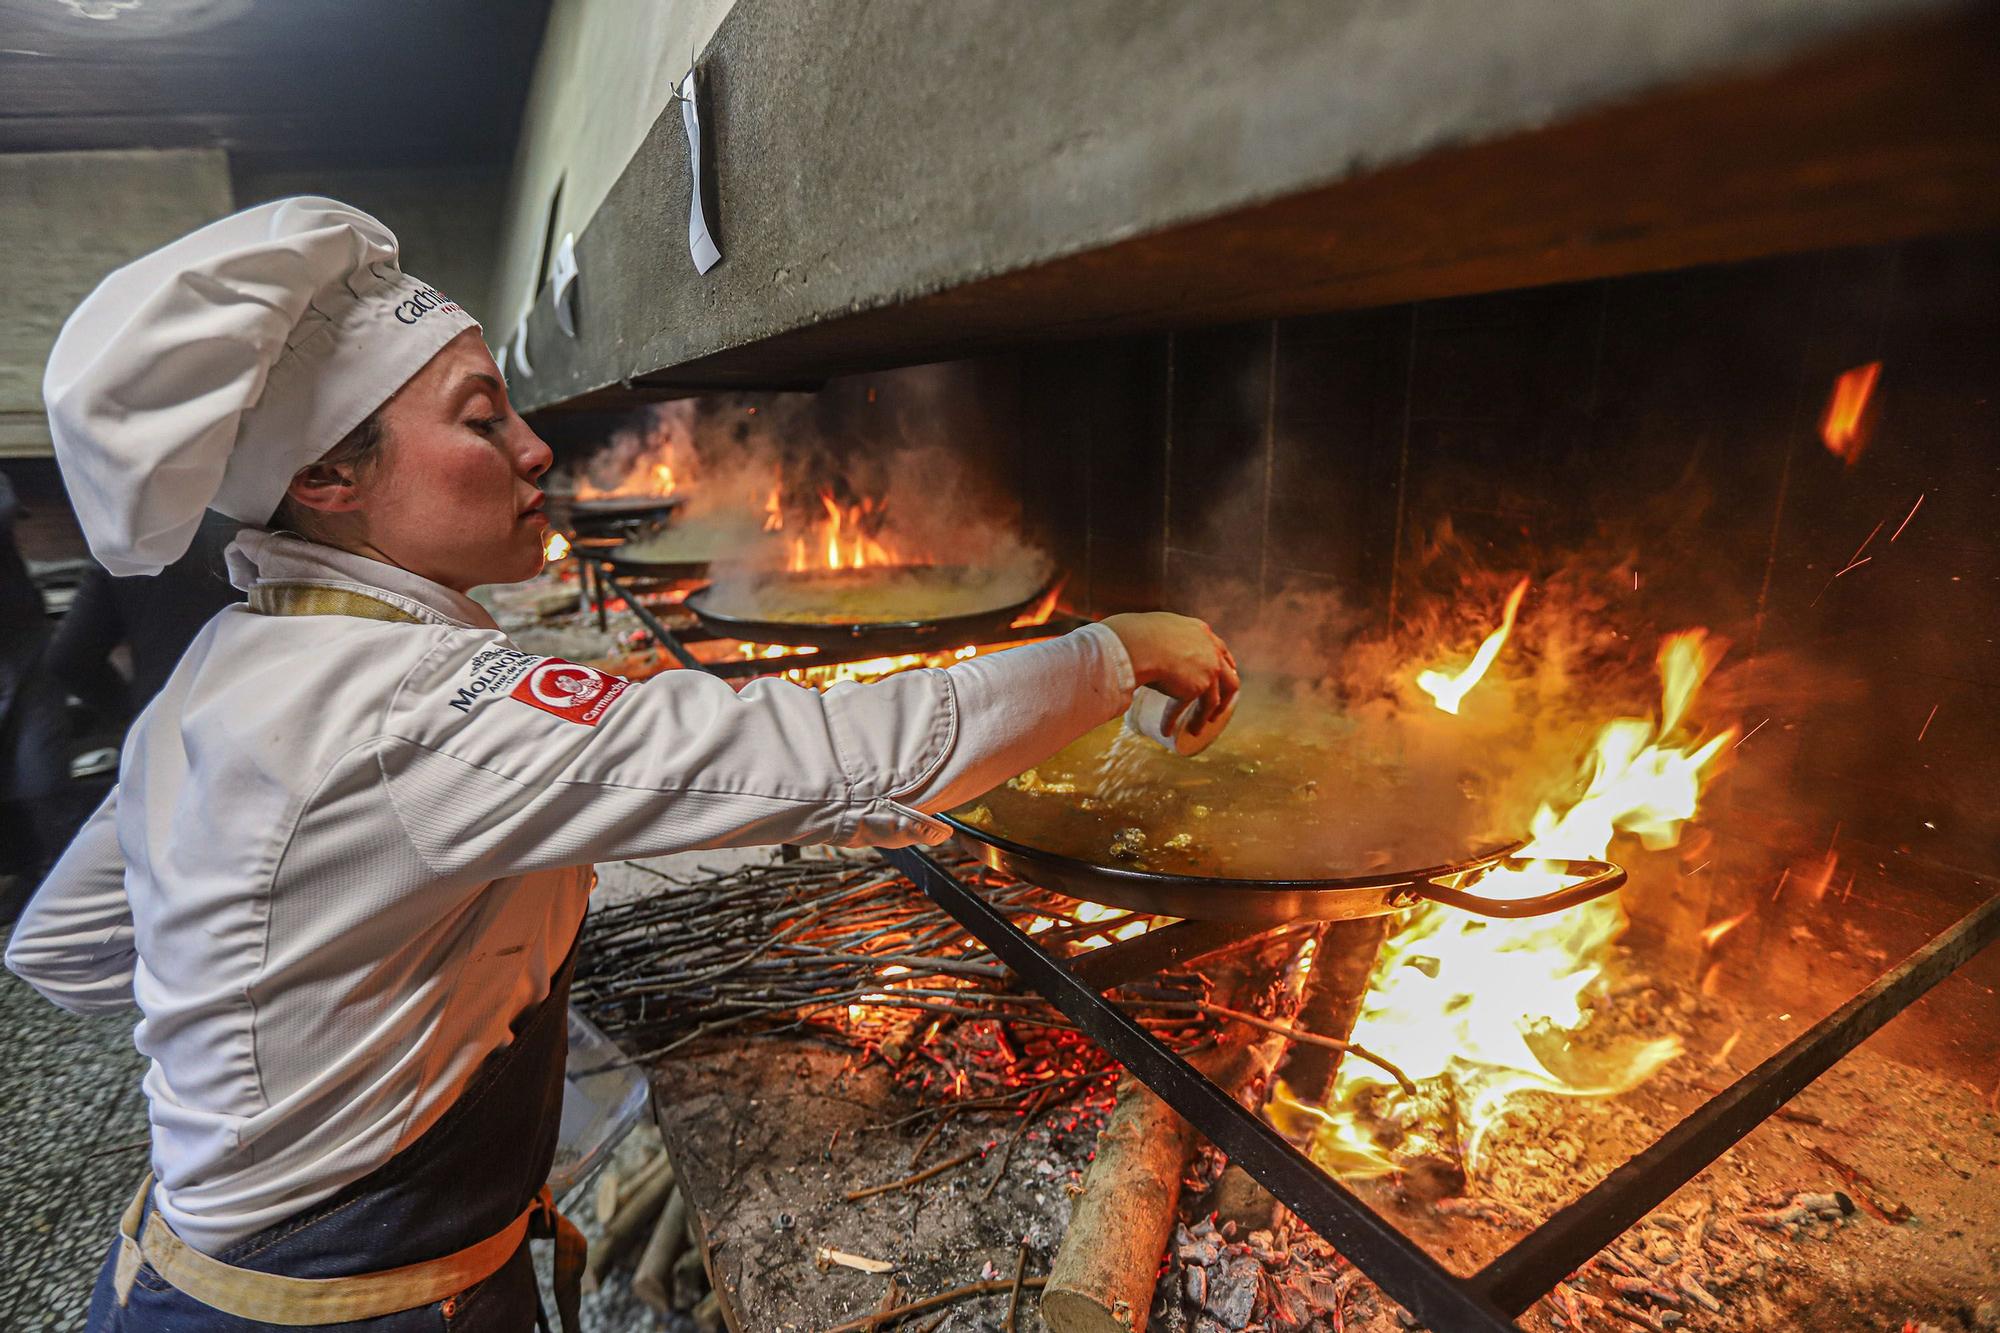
(610, 584)
(1488, 1299)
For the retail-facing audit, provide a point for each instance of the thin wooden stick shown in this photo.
(1002, 1098)
(1028, 1118)
(932, 1302)
(856, 1196)
(1311, 1039)
(931, 1137)
(1014, 1296)
(882, 1310)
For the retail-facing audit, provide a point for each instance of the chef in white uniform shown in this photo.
(350, 847)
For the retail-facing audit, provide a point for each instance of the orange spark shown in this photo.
(1843, 427)
(1907, 517)
(1713, 935)
(1449, 691)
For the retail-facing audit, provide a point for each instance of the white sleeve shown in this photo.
(73, 942)
(493, 770)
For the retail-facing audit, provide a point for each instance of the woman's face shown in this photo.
(451, 493)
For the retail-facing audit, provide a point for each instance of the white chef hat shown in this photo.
(209, 372)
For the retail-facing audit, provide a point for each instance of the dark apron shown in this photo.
(466, 1178)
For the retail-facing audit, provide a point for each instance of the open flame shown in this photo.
(1843, 426)
(1041, 612)
(1447, 690)
(554, 545)
(648, 477)
(845, 540)
(1479, 1010)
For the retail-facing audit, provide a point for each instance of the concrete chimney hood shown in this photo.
(909, 181)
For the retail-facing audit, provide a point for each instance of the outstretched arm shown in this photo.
(489, 779)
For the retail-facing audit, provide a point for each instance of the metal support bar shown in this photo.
(1397, 1264)
(652, 623)
(1524, 1274)
(1155, 951)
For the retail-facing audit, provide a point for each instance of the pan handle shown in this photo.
(1599, 878)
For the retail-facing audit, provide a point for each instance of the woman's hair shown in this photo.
(359, 448)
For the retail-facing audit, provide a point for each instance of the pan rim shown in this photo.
(809, 633)
(1166, 881)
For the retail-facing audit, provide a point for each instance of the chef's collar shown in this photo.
(265, 559)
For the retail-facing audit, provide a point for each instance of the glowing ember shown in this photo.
(877, 1006)
(1479, 1010)
(867, 669)
(764, 652)
(554, 545)
(1099, 914)
(1449, 691)
(1843, 426)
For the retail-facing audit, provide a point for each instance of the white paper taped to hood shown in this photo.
(701, 246)
(562, 272)
(520, 347)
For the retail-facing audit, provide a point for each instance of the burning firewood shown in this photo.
(1102, 1277)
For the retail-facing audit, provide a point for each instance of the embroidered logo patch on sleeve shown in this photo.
(572, 692)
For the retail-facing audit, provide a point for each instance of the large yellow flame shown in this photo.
(847, 545)
(1449, 691)
(1478, 1007)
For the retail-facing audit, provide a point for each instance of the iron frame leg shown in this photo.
(1397, 1264)
(1545, 1256)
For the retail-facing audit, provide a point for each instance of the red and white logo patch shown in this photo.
(572, 692)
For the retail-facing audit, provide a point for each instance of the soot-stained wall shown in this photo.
(1665, 425)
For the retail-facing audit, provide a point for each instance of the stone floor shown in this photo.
(71, 1153)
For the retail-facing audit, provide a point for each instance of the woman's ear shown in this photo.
(328, 487)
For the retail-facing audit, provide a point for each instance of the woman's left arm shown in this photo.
(73, 942)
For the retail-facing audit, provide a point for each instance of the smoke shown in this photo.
(1582, 655)
(882, 467)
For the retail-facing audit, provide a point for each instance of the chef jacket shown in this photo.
(345, 853)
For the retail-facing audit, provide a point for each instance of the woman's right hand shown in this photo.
(1178, 655)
